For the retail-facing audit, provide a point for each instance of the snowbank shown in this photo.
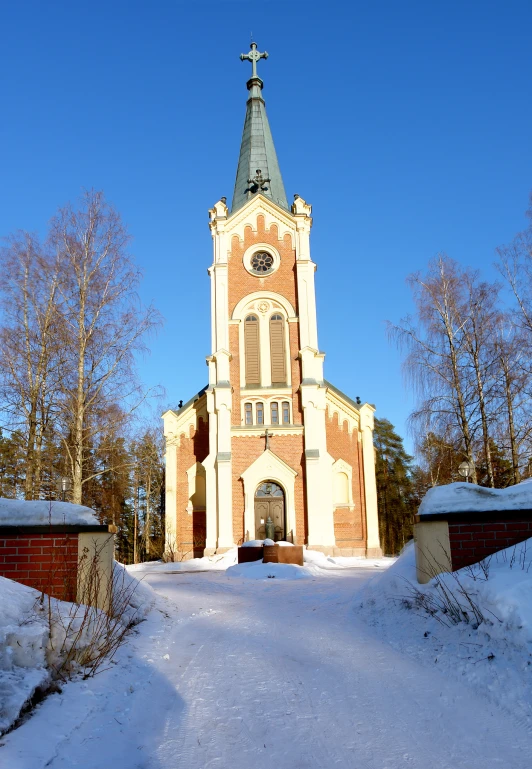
(17, 512)
(225, 561)
(328, 562)
(35, 638)
(23, 639)
(467, 497)
(261, 542)
(259, 570)
(475, 623)
(207, 563)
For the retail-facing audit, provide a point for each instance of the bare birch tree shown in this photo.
(30, 349)
(104, 324)
(436, 345)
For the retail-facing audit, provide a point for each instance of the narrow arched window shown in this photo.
(248, 409)
(286, 413)
(252, 349)
(274, 413)
(341, 489)
(277, 349)
(260, 413)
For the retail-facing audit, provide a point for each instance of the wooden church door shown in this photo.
(269, 503)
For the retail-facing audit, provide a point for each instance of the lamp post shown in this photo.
(466, 469)
(64, 484)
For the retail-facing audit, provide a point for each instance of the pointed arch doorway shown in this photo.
(270, 503)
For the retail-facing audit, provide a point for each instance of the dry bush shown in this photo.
(450, 601)
(86, 634)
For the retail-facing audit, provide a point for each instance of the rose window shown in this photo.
(261, 262)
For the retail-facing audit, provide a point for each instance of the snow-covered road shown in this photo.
(230, 673)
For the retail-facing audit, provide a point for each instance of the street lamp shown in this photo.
(466, 469)
(63, 485)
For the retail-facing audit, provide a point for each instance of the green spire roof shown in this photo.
(258, 168)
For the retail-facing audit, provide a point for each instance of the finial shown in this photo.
(253, 56)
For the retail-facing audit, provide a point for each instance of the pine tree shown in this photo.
(395, 492)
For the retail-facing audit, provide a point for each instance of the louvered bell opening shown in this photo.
(251, 339)
(277, 349)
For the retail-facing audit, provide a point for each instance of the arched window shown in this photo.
(277, 349)
(341, 489)
(274, 413)
(260, 413)
(248, 412)
(252, 349)
(286, 413)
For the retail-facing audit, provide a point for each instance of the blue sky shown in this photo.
(407, 125)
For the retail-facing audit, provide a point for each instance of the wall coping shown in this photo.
(476, 516)
(58, 528)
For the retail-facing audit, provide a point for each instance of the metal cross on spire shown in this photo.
(253, 56)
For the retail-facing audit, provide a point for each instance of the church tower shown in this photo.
(269, 441)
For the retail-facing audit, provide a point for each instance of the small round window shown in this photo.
(261, 262)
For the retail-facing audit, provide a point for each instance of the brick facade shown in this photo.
(191, 448)
(289, 448)
(47, 562)
(282, 281)
(349, 523)
(473, 540)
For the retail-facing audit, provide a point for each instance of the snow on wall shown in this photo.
(467, 497)
(17, 512)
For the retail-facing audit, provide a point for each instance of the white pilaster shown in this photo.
(319, 490)
(305, 268)
(218, 463)
(170, 494)
(209, 463)
(370, 482)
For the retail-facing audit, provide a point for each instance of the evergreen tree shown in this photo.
(395, 491)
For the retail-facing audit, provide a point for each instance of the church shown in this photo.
(268, 442)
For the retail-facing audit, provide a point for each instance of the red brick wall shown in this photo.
(349, 524)
(192, 448)
(245, 450)
(46, 562)
(282, 281)
(471, 541)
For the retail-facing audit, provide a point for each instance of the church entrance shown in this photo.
(269, 503)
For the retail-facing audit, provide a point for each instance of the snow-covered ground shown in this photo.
(36, 636)
(229, 672)
(474, 625)
(225, 561)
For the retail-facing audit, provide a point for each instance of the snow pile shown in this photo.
(36, 638)
(261, 542)
(207, 563)
(23, 638)
(260, 570)
(328, 562)
(475, 624)
(226, 560)
(137, 599)
(17, 512)
(467, 497)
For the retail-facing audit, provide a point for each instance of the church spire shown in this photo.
(258, 168)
